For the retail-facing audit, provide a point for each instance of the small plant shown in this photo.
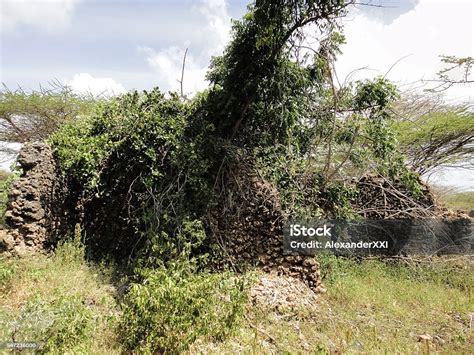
(174, 305)
(6, 181)
(58, 324)
(6, 273)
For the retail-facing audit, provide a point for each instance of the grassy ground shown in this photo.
(60, 301)
(373, 307)
(370, 306)
(454, 199)
(461, 200)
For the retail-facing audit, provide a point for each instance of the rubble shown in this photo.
(283, 294)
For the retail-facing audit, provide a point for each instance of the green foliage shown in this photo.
(298, 186)
(375, 97)
(145, 148)
(162, 247)
(339, 196)
(443, 137)
(371, 130)
(257, 89)
(176, 301)
(142, 126)
(6, 181)
(175, 305)
(80, 152)
(373, 101)
(31, 116)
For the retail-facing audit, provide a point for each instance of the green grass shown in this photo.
(371, 306)
(59, 301)
(461, 200)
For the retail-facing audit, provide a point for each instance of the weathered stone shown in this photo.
(28, 215)
(248, 224)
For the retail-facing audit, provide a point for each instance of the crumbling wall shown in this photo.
(29, 219)
(247, 223)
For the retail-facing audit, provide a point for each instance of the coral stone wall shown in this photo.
(248, 225)
(28, 214)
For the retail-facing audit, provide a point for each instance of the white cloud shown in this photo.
(167, 63)
(217, 31)
(49, 15)
(419, 36)
(386, 11)
(86, 84)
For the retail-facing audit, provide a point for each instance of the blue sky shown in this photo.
(137, 44)
(42, 40)
(118, 45)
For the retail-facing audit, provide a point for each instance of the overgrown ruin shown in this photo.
(247, 223)
(149, 177)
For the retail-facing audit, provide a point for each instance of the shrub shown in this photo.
(173, 306)
(141, 175)
(58, 324)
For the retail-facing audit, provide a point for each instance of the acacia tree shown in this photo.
(433, 134)
(30, 116)
(441, 136)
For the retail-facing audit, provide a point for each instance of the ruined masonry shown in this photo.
(28, 214)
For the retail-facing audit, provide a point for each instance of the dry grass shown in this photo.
(58, 300)
(370, 307)
(455, 199)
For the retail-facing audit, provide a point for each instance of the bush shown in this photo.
(140, 174)
(173, 306)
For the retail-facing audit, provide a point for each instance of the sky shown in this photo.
(112, 46)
